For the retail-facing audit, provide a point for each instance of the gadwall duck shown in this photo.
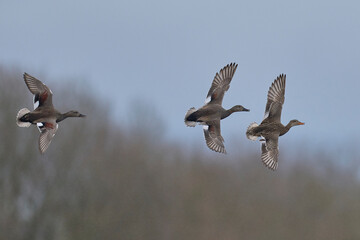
(271, 128)
(212, 112)
(45, 116)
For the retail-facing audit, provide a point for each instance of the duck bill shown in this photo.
(301, 123)
(82, 115)
(246, 110)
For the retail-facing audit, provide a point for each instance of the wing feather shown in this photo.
(275, 99)
(42, 94)
(213, 137)
(221, 84)
(46, 135)
(270, 152)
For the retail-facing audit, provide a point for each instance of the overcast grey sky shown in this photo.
(167, 53)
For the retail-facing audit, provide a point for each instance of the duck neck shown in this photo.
(63, 116)
(286, 129)
(227, 113)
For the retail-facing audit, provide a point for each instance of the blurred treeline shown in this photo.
(101, 179)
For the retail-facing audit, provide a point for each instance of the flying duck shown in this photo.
(45, 116)
(212, 112)
(271, 127)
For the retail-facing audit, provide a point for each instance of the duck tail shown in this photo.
(249, 132)
(20, 114)
(190, 122)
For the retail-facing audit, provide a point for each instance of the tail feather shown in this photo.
(20, 114)
(249, 133)
(187, 122)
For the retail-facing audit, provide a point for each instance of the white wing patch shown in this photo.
(36, 104)
(40, 126)
(266, 114)
(208, 99)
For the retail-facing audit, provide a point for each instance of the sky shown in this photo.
(164, 54)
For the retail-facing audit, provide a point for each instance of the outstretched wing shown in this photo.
(275, 99)
(213, 137)
(48, 131)
(270, 152)
(42, 94)
(221, 84)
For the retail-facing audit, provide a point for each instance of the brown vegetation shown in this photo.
(98, 182)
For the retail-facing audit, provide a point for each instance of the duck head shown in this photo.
(295, 122)
(239, 108)
(74, 114)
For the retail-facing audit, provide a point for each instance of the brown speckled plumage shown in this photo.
(271, 127)
(45, 116)
(212, 112)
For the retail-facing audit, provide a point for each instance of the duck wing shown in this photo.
(47, 132)
(213, 137)
(270, 152)
(42, 94)
(275, 99)
(221, 84)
